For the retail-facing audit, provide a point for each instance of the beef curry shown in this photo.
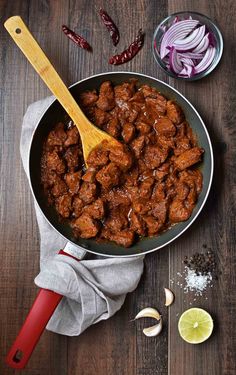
(138, 189)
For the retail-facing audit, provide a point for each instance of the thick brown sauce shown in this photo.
(139, 189)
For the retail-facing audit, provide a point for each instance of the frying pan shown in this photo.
(47, 301)
(55, 113)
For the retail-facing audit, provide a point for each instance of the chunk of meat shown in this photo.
(73, 181)
(48, 178)
(137, 98)
(106, 100)
(108, 176)
(57, 136)
(182, 190)
(149, 91)
(147, 173)
(54, 162)
(191, 136)
(63, 205)
(145, 190)
(189, 158)
(117, 197)
(162, 171)
(73, 157)
(164, 126)
(89, 175)
(181, 129)
(157, 105)
(116, 220)
(154, 156)
(159, 192)
(133, 111)
(96, 210)
(124, 92)
(152, 224)
(137, 223)
(86, 226)
(77, 206)
(178, 212)
(72, 136)
(122, 157)
(143, 128)
(113, 127)
(59, 187)
(132, 177)
(98, 157)
(137, 145)
(124, 237)
(192, 178)
(101, 117)
(141, 206)
(88, 98)
(159, 211)
(181, 145)
(174, 112)
(128, 132)
(88, 192)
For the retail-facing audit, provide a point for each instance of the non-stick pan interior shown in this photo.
(55, 113)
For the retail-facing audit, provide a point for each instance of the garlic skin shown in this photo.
(169, 297)
(148, 312)
(153, 330)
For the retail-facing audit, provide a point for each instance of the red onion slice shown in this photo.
(177, 31)
(191, 41)
(191, 55)
(206, 61)
(187, 71)
(186, 60)
(175, 63)
(176, 19)
(203, 45)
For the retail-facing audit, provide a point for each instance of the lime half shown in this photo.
(195, 325)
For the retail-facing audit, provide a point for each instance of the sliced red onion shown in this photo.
(186, 60)
(203, 45)
(191, 55)
(187, 71)
(177, 31)
(206, 61)
(176, 19)
(175, 63)
(187, 50)
(191, 41)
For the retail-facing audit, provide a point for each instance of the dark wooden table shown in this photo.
(116, 346)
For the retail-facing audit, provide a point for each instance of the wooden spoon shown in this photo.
(90, 135)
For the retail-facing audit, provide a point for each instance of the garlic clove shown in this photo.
(148, 312)
(169, 297)
(153, 330)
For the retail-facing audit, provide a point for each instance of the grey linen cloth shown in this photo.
(93, 290)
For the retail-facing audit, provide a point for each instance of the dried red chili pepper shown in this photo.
(77, 39)
(130, 52)
(110, 25)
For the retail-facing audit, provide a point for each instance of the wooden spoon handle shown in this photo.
(28, 45)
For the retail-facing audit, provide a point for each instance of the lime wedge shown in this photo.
(195, 325)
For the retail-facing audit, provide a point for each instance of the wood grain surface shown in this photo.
(116, 346)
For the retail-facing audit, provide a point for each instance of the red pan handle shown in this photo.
(34, 325)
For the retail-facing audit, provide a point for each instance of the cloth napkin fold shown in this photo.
(93, 289)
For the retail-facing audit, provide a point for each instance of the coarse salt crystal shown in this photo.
(196, 283)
